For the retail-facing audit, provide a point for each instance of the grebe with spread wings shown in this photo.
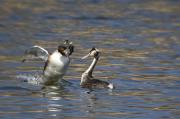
(56, 64)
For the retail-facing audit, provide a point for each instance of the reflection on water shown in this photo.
(140, 47)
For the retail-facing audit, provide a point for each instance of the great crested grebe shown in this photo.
(56, 64)
(87, 80)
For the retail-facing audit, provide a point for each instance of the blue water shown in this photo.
(139, 41)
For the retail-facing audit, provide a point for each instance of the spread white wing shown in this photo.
(36, 52)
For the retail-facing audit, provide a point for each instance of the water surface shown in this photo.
(140, 47)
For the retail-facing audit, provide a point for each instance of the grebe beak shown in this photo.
(86, 56)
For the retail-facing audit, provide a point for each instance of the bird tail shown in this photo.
(111, 86)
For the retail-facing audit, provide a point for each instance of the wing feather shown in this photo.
(36, 52)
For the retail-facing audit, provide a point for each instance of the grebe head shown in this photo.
(66, 50)
(62, 50)
(69, 46)
(94, 52)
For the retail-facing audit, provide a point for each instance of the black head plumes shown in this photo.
(69, 46)
(94, 52)
(93, 48)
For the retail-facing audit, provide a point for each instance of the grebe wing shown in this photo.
(36, 52)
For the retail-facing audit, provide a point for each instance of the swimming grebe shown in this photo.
(56, 64)
(87, 80)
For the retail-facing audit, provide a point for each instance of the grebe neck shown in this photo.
(91, 67)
